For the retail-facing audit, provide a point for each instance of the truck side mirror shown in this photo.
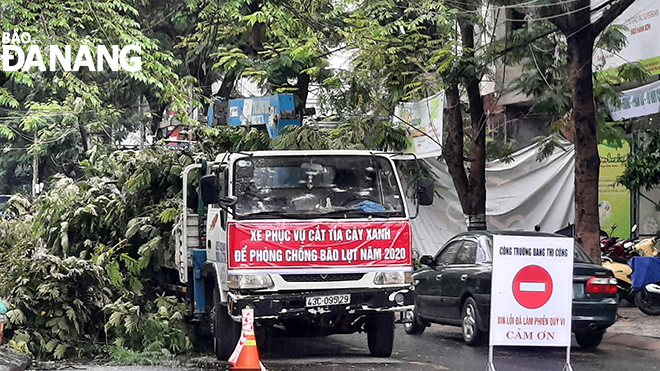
(426, 260)
(229, 201)
(210, 187)
(425, 191)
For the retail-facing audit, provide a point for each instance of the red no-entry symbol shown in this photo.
(532, 286)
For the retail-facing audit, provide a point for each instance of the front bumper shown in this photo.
(290, 305)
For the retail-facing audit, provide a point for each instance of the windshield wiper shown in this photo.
(376, 214)
(280, 214)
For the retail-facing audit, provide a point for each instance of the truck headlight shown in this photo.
(390, 278)
(249, 281)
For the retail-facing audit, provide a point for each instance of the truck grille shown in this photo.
(322, 277)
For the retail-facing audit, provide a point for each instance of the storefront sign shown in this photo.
(328, 246)
(531, 293)
(613, 198)
(424, 120)
(642, 20)
(637, 102)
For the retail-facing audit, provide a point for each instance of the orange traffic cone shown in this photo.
(246, 354)
(248, 359)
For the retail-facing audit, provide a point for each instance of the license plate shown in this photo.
(321, 301)
(578, 290)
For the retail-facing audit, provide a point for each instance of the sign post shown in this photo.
(531, 293)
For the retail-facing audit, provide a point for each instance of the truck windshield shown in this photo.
(311, 186)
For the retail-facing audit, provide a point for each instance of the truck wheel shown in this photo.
(472, 335)
(588, 340)
(416, 327)
(380, 334)
(226, 332)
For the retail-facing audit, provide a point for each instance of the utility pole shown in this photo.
(35, 169)
(141, 124)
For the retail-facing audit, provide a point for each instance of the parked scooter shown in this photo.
(618, 263)
(622, 273)
(616, 248)
(646, 295)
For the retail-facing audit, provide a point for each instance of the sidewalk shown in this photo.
(635, 329)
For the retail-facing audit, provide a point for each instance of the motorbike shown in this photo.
(622, 273)
(616, 248)
(645, 285)
(618, 263)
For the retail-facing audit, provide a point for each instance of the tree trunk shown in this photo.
(303, 92)
(156, 107)
(477, 175)
(227, 85)
(587, 161)
(85, 136)
(452, 151)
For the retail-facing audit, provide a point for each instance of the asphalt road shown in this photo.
(442, 348)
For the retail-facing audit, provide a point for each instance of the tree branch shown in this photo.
(610, 14)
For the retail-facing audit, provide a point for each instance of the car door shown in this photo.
(454, 279)
(428, 288)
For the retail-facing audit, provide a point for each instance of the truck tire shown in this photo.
(226, 332)
(380, 334)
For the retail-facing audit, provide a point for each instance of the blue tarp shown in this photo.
(646, 270)
(370, 207)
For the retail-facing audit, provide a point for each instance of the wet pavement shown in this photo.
(632, 343)
(632, 321)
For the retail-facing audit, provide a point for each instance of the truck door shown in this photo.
(216, 232)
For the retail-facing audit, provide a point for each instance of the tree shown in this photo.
(470, 185)
(643, 165)
(283, 46)
(573, 19)
(96, 104)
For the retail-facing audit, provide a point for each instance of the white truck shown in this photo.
(316, 242)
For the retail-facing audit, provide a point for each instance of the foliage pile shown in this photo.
(88, 267)
(97, 276)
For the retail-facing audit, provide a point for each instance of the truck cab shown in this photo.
(316, 242)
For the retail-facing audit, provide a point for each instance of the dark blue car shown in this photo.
(453, 288)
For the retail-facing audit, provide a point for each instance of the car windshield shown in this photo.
(332, 186)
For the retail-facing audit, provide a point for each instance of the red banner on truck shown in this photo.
(332, 246)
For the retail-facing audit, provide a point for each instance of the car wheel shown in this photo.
(226, 332)
(647, 303)
(415, 327)
(380, 334)
(470, 328)
(588, 340)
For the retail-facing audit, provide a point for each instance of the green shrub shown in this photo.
(55, 304)
(154, 326)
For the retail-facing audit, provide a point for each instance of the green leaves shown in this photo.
(356, 134)
(160, 325)
(642, 167)
(53, 302)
